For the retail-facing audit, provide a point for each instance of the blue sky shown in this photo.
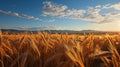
(60, 14)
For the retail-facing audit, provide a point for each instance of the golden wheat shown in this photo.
(59, 50)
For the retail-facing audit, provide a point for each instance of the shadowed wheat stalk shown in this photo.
(58, 50)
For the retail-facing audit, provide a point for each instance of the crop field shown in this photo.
(59, 50)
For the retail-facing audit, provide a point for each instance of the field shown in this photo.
(59, 50)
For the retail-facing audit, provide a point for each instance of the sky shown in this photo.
(101, 15)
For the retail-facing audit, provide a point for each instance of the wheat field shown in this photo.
(59, 50)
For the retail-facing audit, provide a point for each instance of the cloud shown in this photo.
(53, 9)
(30, 17)
(49, 28)
(9, 13)
(40, 28)
(50, 20)
(74, 12)
(92, 14)
(19, 15)
(116, 6)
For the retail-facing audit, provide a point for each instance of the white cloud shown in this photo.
(9, 13)
(50, 20)
(106, 6)
(53, 9)
(50, 28)
(40, 28)
(92, 14)
(15, 14)
(25, 16)
(30, 17)
(74, 12)
(95, 16)
(116, 6)
(19, 15)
